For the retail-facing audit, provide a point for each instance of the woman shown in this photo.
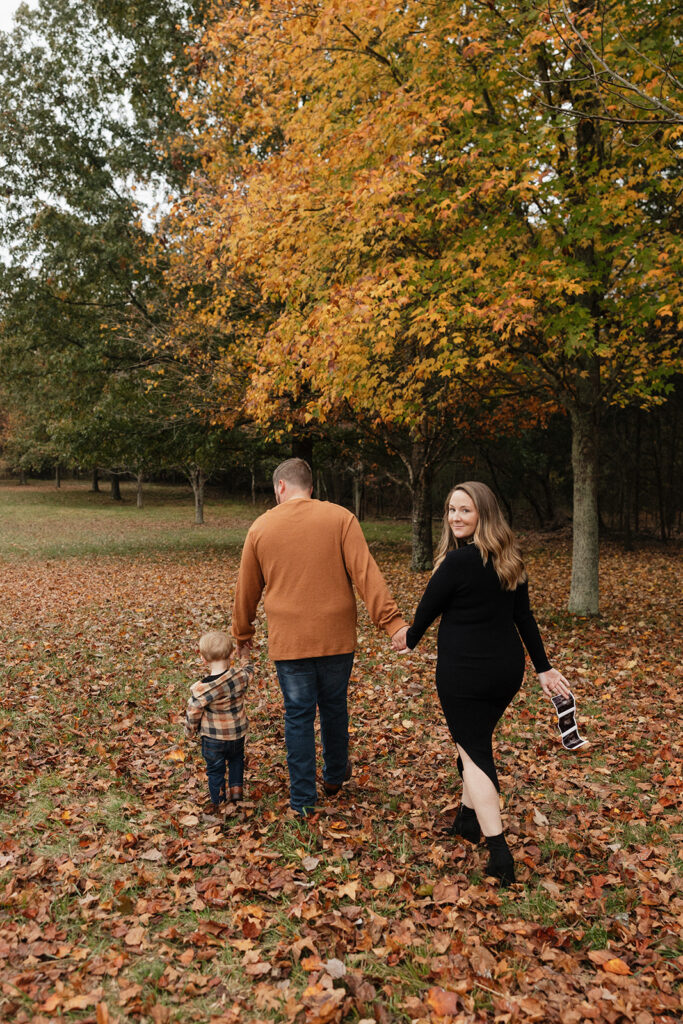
(479, 588)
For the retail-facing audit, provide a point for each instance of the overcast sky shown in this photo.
(7, 9)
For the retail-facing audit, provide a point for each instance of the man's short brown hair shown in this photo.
(215, 645)
(296, 472)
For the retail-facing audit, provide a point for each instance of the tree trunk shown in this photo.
(116, 487)
(583, 595)
(138, 493)
(421, 510)
(58, 475)
(95, 485)
(302, 448)
(22, 477)
(198, 479)
(253, 485)
(358, 477)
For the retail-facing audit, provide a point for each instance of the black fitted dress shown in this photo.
(480, 662)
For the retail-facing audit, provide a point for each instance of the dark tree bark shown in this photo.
(583, 595)
(358, 478)
(116, 487)
(420, 475)
(197, 478)
(302, 448)
(95, 485)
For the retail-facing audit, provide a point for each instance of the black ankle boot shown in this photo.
(465, 825)
(500, 863)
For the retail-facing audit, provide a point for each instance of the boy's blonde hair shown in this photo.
(215, 645)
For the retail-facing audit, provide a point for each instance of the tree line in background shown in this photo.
(398, 239)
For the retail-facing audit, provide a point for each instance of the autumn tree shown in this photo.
(85, 110)
(431, 198)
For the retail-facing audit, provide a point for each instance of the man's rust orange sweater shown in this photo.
(309, 555)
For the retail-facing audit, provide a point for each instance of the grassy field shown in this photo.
(120, 900)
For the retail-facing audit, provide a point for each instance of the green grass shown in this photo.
(43, 522)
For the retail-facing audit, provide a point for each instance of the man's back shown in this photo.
(307, 553)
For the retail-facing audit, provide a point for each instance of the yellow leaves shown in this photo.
(177, 754)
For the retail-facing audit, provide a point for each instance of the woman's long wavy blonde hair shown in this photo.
(492, 535)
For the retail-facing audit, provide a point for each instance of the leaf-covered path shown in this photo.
(122, 901)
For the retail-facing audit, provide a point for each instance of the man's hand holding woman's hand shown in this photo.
(553, 683)
(398, 640)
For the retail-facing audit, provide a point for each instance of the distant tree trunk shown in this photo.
(302, 448)
(636, 487)
(58, 475)
(501, 495)
(138, 494)
(420, 474)
(253, 484)
(358, 477)
(95, 485)
(660, 487)
(197, 478)
(22, 477)
(583, 595)
(115, 487)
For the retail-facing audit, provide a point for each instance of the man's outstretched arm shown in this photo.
(369, 582)
(250, 584)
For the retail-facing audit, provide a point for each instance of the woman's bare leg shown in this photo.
(466, 798)
(479, 792)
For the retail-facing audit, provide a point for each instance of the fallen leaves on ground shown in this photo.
(121, 900)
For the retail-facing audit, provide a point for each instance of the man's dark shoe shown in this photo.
(332, 788)
(236, 794)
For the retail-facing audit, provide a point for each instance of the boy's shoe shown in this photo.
(331, 789)
(211, 808)
(236, 793)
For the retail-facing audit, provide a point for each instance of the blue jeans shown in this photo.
(307, 683)
(218, 753)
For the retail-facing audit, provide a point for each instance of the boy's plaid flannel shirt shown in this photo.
(216, 707)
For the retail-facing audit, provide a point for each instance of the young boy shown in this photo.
(216, 712)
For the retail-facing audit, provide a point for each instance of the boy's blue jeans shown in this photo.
(307, 683)
(218, 753)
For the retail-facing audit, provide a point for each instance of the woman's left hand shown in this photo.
(553, 683)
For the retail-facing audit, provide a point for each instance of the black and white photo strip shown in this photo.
(566, 722)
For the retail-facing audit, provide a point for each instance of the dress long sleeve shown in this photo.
(528, 630)
(432, 603)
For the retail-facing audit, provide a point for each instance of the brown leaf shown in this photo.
(134, 936)
(443, 1002)
(616, 966)
(176, 755)
(482, 961)
(383, 880)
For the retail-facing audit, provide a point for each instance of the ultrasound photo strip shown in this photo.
(566, 722)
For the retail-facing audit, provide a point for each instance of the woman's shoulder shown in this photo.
(466, 554)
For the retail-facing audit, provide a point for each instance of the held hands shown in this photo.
(553, 683)
(398, 640)
(243, 651)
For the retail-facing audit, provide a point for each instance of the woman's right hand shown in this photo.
(398, 640)
(554, 684)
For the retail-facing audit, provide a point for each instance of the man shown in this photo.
(308, 554)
